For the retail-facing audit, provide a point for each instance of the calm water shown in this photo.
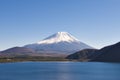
(59, 71)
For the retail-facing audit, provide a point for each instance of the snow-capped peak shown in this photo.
(58, 37)
(61, 42)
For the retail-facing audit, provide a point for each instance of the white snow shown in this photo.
(58, 37)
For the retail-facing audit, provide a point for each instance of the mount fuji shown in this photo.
(60, 42)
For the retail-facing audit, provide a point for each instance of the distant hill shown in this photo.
(82, 55)
(17, 51)
(26, 52)
(109, 54)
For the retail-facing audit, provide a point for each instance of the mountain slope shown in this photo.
(61, 42)
(17, 51)
(82, 55)
(22, 52)
(109, 54)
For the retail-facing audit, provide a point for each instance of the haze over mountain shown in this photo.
(17, 51)
(26, 52)
(60, 42)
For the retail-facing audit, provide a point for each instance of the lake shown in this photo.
(59, 71)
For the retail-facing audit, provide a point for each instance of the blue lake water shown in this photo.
(59, 71)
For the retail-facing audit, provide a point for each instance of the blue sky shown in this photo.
(95, 22)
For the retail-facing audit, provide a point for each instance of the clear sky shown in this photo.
(95, 22)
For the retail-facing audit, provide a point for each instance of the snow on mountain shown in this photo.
(58, 37)
(61, 42)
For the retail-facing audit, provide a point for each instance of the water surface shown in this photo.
(59, 71)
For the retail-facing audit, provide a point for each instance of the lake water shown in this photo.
(59, 71)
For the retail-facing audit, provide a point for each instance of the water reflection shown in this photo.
(64, 69)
